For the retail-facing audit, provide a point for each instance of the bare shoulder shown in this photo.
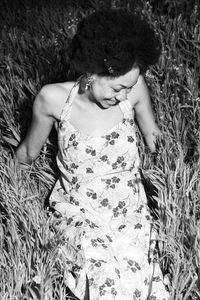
(139, 92)
(52, 97)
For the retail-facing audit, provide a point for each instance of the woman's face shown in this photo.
(106, 91)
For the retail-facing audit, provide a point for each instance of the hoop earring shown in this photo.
(88, 82)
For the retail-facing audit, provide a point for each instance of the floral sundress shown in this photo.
(105, 218)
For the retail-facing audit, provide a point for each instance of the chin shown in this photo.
(104, 105)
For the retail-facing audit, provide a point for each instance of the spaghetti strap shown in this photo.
(66, 108)
(126, 108)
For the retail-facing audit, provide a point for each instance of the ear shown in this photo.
(92, 76)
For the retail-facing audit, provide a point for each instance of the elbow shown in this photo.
(25, 155)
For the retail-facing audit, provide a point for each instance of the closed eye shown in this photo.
(118, 90)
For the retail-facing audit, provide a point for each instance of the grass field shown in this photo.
(33, 50)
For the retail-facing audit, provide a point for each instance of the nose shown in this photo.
(122, 95)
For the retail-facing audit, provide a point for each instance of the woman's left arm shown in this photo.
(144, 113)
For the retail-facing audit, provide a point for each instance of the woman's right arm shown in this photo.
(41, 125)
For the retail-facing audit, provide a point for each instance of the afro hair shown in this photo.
(109, 43)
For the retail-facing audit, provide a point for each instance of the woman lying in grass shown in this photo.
(99, 195)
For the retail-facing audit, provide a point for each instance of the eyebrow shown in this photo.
(126, 87)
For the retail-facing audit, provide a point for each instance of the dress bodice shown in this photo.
(113, 152)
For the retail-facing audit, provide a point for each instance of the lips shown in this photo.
(112, 103)
(106, 103)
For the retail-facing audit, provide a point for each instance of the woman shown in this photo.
(99, 194)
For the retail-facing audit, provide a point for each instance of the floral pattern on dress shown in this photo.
(104, 213)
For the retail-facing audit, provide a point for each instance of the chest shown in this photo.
(91, 120)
